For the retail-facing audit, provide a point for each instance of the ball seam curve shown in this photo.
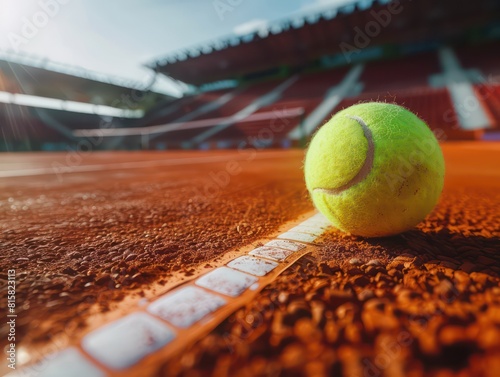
(367, 165)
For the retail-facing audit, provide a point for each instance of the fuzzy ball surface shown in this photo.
(374, 169)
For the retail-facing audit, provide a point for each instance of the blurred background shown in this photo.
(228, 74)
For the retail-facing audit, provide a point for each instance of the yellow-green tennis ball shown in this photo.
(374, 169)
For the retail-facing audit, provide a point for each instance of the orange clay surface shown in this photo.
(84, 232)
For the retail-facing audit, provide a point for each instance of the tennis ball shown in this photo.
(374, 169)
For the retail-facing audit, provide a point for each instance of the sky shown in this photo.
(116, 37)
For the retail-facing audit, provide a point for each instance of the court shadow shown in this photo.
(453, 250)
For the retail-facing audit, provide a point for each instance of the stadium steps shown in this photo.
(489, 95)
(208, 106)
(162, 110)
(188, 108)
(377, 79)
(304, 95)
(333, 97)
(228, 104)
(471, 114)
(247, 96)
(263, 100)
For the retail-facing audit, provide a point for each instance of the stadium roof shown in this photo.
(346, 30)
(43, 78)
(66, 69)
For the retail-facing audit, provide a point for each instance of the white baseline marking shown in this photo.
(124, 342)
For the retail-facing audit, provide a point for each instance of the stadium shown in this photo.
(152, 232)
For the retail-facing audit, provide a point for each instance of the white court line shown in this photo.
(178, 315)
(124, 165)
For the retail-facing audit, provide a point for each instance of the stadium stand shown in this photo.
(381, 80)
(484, 56)
(241, 99)
(71, 120)
(177, 109)
(7, 83)
(405, 81)
(269, 68)
(306, 93)
(299, 41)
(51, 103)
(489, 95)
(399, 73)
(399, 61)
(42, 82)
(21, 129)
(260, 133)
(433, 105)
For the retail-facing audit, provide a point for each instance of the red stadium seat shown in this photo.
(484, 57)
(489, 96)
(306, 93)
(434, 106)
(401, 73)
(182, 106)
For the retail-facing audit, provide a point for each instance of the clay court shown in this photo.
(159, 217)
(90, 243)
